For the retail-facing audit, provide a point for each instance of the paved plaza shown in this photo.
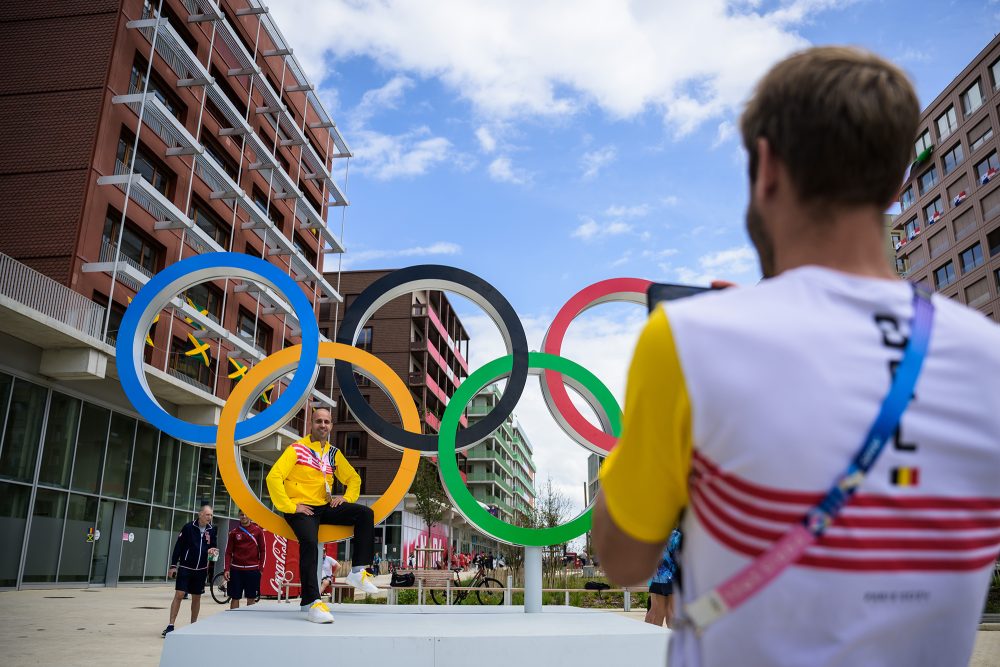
(108, 627)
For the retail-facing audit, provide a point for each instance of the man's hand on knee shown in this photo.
(337, 501)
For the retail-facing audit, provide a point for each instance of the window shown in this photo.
(211, 224)
(313, 201)
(933, 211)
(953, 158)
(266, 206)
(993, 241)
(959, 189)
(944, 276)
(363, 474)
(253, 252)
(923, 143)
(253, 329)
(939, 244)
(971, 258)
(115, 319)
(911, 229)
(991, 205)
(947, 123)
(988, 168)
(222, 81)
(304, 248)
(980, 135)
(928, 180)
(353, 444)
(917, 259)
(977, 293)
(135, 245)
(365, 339)
(193, 367)
(145, 164)
(216, 152)
(206, 296)
(965, 224)
(156, 86)
(972, 98)
(907, 199)
(344, 414)
(995, 74)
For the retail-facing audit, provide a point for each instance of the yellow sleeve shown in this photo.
(348, 476)
(644, 479)
(276, 481)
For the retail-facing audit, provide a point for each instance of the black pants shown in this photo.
(306, 529)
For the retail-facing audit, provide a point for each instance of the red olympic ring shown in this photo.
(628, 290)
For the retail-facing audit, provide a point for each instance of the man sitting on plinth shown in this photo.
(301, 484)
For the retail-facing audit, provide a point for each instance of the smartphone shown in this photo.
(658, 292)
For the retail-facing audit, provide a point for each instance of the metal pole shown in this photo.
(532, 580)
(509, 594)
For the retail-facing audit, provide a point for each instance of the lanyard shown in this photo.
(765, 568)
(249, 534)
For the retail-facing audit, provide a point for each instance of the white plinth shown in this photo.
(272, 633)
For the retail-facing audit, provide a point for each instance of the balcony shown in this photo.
(128, 271)
(173, 50)
(159, 119)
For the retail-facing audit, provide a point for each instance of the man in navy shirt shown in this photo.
(197, 545)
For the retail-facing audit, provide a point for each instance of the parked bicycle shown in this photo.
(220, 588)
(488, 589)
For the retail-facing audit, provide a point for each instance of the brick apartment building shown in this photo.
(948, 233)
(133, 134)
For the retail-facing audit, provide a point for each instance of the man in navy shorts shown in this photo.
(244, 559)
(197, 544)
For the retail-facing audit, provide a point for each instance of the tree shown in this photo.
(551, 509)
(431, 503)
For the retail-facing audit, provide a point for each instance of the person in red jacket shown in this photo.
(244, 560)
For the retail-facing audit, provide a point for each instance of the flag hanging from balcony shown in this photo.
(199, 349)
(192, 322)
(240, 371)
(149, 340)
(266, 395)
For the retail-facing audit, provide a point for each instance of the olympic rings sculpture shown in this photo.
(236, 429)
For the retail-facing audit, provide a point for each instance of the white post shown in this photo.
(532, 580)
(628, 600)
(509, 594)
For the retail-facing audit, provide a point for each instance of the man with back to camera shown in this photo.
(301, 484)
(196, 546)
(745, 405)
(243, 562)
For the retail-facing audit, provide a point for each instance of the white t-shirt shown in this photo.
(783, 380)
(329, 565)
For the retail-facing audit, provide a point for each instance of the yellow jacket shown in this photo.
(302, 474)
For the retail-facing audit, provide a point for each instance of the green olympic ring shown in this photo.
(455, 487)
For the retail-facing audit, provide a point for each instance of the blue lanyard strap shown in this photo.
(895, 403)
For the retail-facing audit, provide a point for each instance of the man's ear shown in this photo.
(767, 171)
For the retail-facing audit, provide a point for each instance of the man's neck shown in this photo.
(852, 241)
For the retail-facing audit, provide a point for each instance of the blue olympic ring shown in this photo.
(173, 280)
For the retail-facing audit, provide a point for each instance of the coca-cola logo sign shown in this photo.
(279, 549)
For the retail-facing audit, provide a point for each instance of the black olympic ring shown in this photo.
(440, 278)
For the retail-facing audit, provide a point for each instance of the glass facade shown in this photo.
(91, 495)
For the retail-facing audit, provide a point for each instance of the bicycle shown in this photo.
(220, 588)
(488, 589)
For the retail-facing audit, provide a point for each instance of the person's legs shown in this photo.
(669, 618)
(175, 605)
(251, 586)
(306, 529)
(362, 519)
(657, 609)
(195, 607)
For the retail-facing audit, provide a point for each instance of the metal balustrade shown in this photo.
(40, 293)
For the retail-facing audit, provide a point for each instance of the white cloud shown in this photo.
(724, 133)
(590, 229)
(502, 170)
(686, 61)
(670, 200)
(734, 264)
(375, 100)
(593, 161)
(486, 139)
(637, 211)
(352, 259)
(388, 156)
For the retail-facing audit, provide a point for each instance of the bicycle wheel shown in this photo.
(220, 589)
(490, 591)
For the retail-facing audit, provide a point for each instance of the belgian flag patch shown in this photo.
(906, 476)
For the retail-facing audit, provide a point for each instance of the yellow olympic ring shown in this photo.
(287, 359)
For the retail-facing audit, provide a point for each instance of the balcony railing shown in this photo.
(109, 254)
(30, 288)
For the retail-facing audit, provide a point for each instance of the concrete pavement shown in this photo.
(120, 627)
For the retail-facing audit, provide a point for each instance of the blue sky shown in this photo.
(546, 144)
